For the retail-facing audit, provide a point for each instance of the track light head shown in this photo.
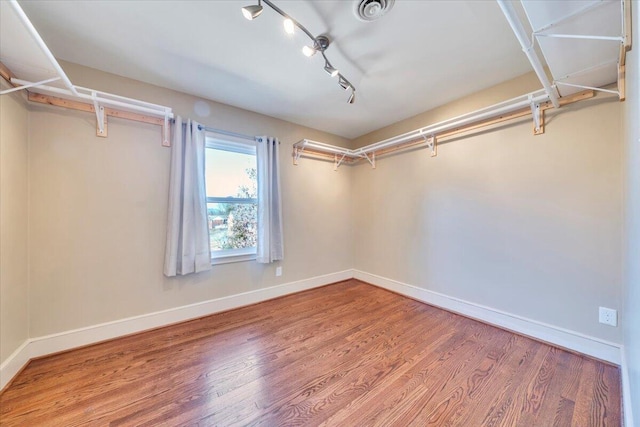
(352, 97)
(289, 27)
(308, 51)
(253, 11)
(343, 83)
(330, 70)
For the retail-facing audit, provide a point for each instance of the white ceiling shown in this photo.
(420, 55)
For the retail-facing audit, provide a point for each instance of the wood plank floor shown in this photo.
(348, 354)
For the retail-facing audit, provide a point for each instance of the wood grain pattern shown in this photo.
(347, 354)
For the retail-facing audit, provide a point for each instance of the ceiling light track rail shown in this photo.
(319, 43)
(534, 103)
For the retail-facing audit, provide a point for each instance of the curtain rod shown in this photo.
(229, 133)
(226, 132)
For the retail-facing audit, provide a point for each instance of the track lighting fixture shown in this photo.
(320, 43)
(344, 84)
(253, 11)
(308, 51)
(288, 26)
(330, 70)
(352, 97)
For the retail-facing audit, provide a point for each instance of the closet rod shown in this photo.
(488, 116)
(105, 98)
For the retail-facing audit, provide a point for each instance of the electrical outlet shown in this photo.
(608, 316)
(278, 271)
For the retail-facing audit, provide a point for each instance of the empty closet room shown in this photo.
(338, 213)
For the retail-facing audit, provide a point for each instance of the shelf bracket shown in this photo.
(621, 82)
(336, 162)
(432, 143)
(166, 130)
(371, 160)
(538, 117)
(101, 117)
(297, 152)
(16, 88)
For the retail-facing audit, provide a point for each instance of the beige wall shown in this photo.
(499, 93)
(98, 212)
(531, 225)
(14, 296)
(631, 314)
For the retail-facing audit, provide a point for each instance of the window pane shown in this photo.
(230, 174)
(232, 225)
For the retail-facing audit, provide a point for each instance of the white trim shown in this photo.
(41, 346)
(14, 363)
(627, 405)
(231, 145)
(566, 338)
(227, 256)
(228, 259)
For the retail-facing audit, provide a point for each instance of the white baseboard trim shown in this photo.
(14, 363)
(41, 346)
(627, 406)
(571, 340)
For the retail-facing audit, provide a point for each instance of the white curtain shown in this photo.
(270, 238)
(187, 249)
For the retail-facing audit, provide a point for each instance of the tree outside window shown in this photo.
(232, 207)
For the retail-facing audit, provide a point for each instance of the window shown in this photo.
(232, 204)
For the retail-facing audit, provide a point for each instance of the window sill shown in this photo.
(234, 255)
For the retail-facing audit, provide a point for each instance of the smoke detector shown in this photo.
(370, 10)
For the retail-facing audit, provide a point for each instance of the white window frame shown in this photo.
(245, 147)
